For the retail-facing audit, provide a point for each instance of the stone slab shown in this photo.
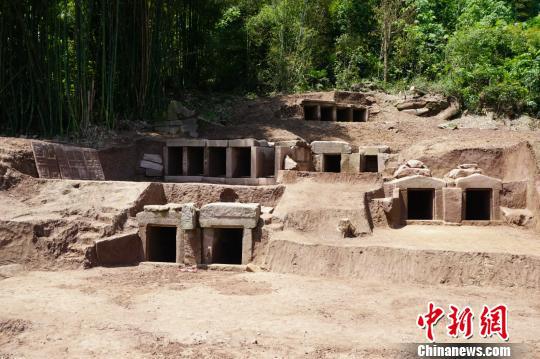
(67, 162)
(121, 249)
(331, 147)
(153, 158)
(217, 143)
(479, 181)
(246, 142)
(228, 214)
(186, 142)
(151, 165)
(153, 173)
(46, 161)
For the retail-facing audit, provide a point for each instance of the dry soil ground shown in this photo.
(144, 311)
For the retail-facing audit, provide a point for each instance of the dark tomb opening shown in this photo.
(478, 204)
(195, 161)
(420, 204)
(332, 163)
(241, 162)
(217, 160)
(327, 113)
(227, 247)
(161, 244)
(371, 163)
(310, 113)
(359, 115)
(343, 114)
(175, 161)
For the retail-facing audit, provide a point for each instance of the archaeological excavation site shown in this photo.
(302, 210)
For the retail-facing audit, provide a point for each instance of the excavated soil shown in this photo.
(144, 312)
(357, 297)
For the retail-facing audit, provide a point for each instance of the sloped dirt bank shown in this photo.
(400, 265)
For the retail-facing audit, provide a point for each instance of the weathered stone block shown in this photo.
(479, 181)
(351, 163)
(453, 204)
(230, 215)
(119, 250)
(189, 216)
(320, 147)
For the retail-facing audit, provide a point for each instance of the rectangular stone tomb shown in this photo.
(244, 161)
(217, 233)
(318, 110)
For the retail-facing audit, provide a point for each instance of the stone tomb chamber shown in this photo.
(217, 233)
(332, 111)
(465, 196)
(243, 161)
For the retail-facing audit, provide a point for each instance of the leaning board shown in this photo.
(67, 162)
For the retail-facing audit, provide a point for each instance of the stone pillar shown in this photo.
(496, 205)
(207, 244)
(206, 170)
(247, 245)
(179, 245)
(404, 204)
(192, 246)
(185, 162)
(453, 204)
(349, 115)
(254, 162)
(166, 160)
(381, 162)
(438, 205)
(318, 112)
(231, 162)
(334, 113)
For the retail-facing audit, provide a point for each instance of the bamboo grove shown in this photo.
(68, 64)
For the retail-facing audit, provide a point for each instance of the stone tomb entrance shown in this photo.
(241, 162)
(320, 110)
(176, 156)
(161, 243)
(228, 232)
(420, 204)
(331, 162)
(328, 155)
(371, 163)
(217, 161)
(478, 204)
(194, 161)
(480, 197)
(227, 245)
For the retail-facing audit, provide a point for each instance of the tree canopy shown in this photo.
(66, 64)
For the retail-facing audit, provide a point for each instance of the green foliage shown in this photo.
(496, 67)
(67, 65)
